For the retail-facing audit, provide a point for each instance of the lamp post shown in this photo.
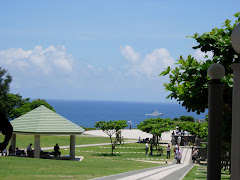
(130, 125)
(235, 156)
(215, 104)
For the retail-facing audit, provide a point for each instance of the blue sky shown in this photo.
(101, 49)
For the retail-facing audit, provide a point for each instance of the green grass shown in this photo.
(133, 151)
(200, 172)
(97, 161)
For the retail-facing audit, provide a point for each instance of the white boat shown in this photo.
(154, 113)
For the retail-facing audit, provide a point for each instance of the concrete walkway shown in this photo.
(86, 145)
(168, 172)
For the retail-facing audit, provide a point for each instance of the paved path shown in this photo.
(168, 172)
(86, 145)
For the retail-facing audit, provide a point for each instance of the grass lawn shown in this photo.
(97, 161)
(200, 172)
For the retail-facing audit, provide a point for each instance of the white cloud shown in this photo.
(129, 53)
(38, 67)
(199, 55)
(44, 61)
(39, 71)
(152, 64)
(90, 66)
(13, 54)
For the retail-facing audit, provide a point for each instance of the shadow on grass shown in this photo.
(108, 155)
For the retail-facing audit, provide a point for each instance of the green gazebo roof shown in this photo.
(44, 121)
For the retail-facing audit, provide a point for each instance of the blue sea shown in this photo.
(87, 113)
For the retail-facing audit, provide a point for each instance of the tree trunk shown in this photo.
(112, 143)
(158, 145)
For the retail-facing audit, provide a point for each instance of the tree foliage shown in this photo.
(185, 118)
(112, 128)
(20, 106)
(194, 128)
(188, 81)
(5, 80)
(156, 126)
(14, 105)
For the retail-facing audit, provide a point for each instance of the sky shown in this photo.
(101, 49)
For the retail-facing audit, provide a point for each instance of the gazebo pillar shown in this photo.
(37, 146)
(72, 146)
(13, 142)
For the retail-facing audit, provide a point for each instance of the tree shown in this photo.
(156, 126)
(5, 80)
(20, 106)
(111, 128)
(185, 118)
(189, 81)
(195, 129)
(13, 105)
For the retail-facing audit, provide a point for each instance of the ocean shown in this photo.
(87, 113)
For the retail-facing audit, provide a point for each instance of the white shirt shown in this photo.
(179, 139)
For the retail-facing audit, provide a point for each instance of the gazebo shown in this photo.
(43, 121)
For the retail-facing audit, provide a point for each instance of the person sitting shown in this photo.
(19, 152)
(4, 152)
(29, 149)
(56, 150)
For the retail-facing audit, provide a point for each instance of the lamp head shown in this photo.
(216, 71)
(235, 38)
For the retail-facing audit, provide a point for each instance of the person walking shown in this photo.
(178, 155)
(179, 140)
(194, 155)
(185, 140)
(168, 151)
(147, 147)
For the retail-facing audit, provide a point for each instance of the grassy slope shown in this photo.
(98, 162)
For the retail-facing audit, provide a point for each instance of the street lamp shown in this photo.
(235, 156)
(215, 104)
(130, 125)
(235, 39)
